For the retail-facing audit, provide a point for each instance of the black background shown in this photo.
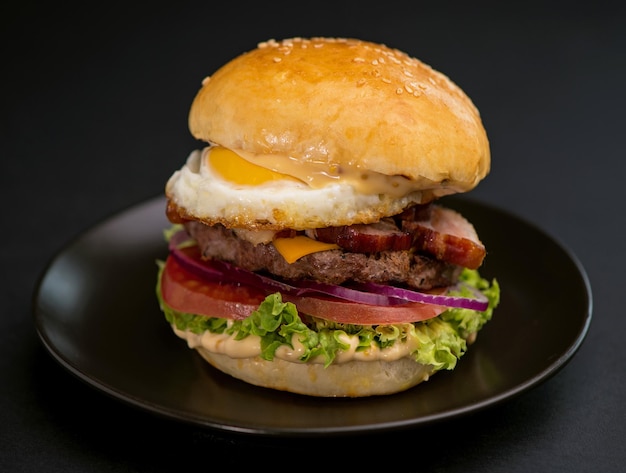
(93, 117)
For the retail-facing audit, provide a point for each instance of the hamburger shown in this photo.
(309, 251)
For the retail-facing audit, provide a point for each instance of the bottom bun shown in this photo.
(350, 379)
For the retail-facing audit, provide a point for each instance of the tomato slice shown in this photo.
(186, 292)
(346, 312)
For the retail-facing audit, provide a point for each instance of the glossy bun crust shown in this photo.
(350, 379)
(346, 102)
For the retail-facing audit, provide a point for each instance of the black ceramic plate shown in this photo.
(96, 312)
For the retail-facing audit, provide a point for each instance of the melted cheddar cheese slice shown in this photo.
(292, 249)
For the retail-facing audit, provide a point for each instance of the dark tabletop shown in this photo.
(94, 119)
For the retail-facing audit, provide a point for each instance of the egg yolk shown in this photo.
(232, 167)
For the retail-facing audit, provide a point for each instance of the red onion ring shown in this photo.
(480, 303)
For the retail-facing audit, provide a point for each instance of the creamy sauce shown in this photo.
(250, 347)
(320, 174)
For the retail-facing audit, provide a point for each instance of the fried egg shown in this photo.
(217, 185)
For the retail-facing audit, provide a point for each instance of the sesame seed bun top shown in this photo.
(350, 103)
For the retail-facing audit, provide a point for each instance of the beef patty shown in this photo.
(333, 266)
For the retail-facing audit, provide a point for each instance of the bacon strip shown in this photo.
(448, 236)
(442, 233)
(359, 238)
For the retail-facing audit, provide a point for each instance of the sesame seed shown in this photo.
(399, 91)
(268, 43)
